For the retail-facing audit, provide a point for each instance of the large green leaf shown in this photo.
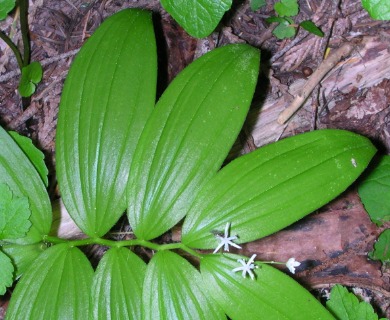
(188, 136)
(19, 174)
(56, 286)
(5, 7)
(198, 17)
(267, 190)
(378, 9)
(35, 155)
(173, 289)
(374, 192)
(117, 286)
(108, 95)
(270, 295)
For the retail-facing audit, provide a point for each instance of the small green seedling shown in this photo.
(31, 76)
(31, 73)
(286, 27)
(200, 18)
(117, 151)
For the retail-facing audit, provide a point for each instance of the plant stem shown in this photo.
(23, 5)
(13, 47)
(124, 243)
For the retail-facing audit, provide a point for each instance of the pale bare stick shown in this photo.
(315, 79)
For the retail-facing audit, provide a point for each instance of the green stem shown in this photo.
(14, 49)
(124, 243)
(23, 5)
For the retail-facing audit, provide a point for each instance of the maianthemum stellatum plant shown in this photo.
(117, 151)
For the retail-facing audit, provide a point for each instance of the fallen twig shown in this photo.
(45, 62)
(315, 78)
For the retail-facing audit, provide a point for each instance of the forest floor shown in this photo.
(355, 95)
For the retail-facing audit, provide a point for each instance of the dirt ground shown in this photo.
(355, 95)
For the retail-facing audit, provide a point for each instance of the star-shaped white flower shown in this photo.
(225, 241)
(247, 267)
(291, 264)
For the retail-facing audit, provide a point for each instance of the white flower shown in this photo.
(291, 264)
(225, 241)
(247, 267)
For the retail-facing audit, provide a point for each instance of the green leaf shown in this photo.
(35, 155)
(17, 171)
(31, 76)
(188, 136)
(311, 27)
(284, 30)
(117, 286)
(276, 19)
(173, 289)
(6, 6)
(346, 306)
(198, 17)
(23, 256)
(108, 95)
(56, 286)
(257, 4)
(276, 185)
(287, 8)
(14, 214)
(374, 192)
(271, 295)
(382, 248)
(6, 274)
(378, 9)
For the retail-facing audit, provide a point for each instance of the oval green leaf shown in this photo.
(188, 136)
(374, 192)
(198, 17)
(117, 286)
(276, 185)
(56, 286)
(108, 95)
(173, 289)
(311, 27)
(257, 4)
(271, 295)
(287, 8)
(17, 171)
(35, 155)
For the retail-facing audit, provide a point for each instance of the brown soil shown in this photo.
(355, 94)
